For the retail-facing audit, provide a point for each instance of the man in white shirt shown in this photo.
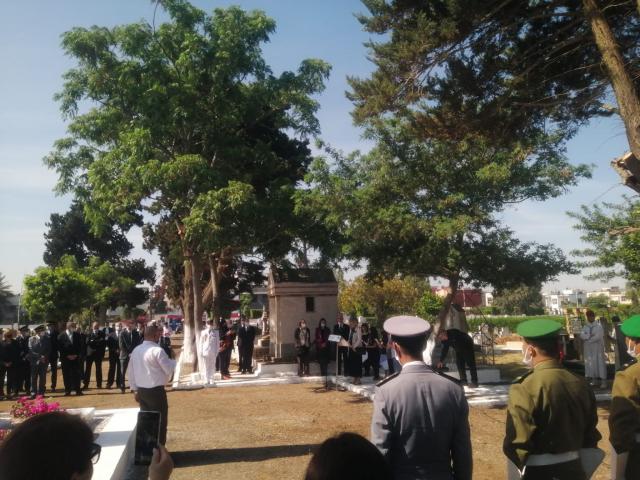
(209, 346)
(149, 370)
(595, 367)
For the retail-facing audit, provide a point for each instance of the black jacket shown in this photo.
(456, 339)
(10, 352)
(96, 344)
(342, 330)
(246, 335)
(68, 346)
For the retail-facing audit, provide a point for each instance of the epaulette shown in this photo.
(521, 378)
(627, 365)
(448, 377)
(387, 379)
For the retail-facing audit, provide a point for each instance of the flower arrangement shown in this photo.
(25, 407)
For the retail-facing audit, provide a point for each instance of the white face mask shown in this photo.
(631, 350)
(527, 357)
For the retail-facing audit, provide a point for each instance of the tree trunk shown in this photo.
(621, 81)
(215, 287)
(189, 359)
(196, 272)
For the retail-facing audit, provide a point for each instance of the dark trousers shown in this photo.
(246, 358)
(354, 365)
(12, 387)
(155, 400)
(373, 361)
(53, 364)
(343, 356)
(38, 378)
(71, 375)
(303, 360)
(323, 360)
(97, 361)
(114, 371)
(225, 360)
(24, 376)
(124, 363)
(465, 357)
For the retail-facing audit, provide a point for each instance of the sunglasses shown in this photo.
(95, 452)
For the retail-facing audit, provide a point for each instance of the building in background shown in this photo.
(467, 297)
(614, 294)
(554, 302)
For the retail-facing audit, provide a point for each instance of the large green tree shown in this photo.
(180, 115)
(501, 69)
(519, 300)
(428, 208)
(611, 232)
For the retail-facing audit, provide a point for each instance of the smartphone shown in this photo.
(147, 434)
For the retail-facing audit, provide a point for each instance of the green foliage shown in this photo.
(5, 291)
(498, 70)
(245, 304)
(613, 252)
(520, 300)
(54, 293)
(505, 321)
(429, 305)
(189, 124)
(597, 302)
(381, 297)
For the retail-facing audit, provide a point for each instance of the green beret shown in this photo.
(539, 327)
(631, 327)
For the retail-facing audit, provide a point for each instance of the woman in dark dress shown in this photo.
(322, 345)
(356, 349)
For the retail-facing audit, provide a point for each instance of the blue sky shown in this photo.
(30, 120)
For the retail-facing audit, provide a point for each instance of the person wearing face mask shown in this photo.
(246, 337)
(595, 366)
(302, 337)
(149, 370)
(420, 419)
(70, 349)
(39, 351)
(624, 419)
(322, 346)
(210, 347)
(551, 414)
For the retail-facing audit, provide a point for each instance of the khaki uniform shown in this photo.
(550, 411)
(624, 417)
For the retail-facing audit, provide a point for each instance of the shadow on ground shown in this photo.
(192, 458)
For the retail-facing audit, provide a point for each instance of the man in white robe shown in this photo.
(209, 346)
(595, 367)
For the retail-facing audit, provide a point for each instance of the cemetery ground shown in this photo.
(270, 432)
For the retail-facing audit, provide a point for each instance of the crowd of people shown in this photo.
(420, 424)
(26, 356)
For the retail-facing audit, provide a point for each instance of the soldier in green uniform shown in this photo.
(624, 417)
(551, 414)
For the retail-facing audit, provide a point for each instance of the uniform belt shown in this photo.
(551, 458)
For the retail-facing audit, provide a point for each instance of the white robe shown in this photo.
(595, 365)
(209, 346)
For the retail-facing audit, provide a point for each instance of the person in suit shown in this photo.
(246, 337)
(226, 347)
(52, 333)
(24, 367)
(420, 420)
(125, 346)
(96, 347)
(70, 346)
(322, 346)
(39, 351)
(302, 337)
(343, 352)
(624, 421)
(113, 345)
(372, 344)
(9, 358)
(551, 413)
(137, 335)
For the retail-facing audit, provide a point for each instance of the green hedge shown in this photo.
(511, 322)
